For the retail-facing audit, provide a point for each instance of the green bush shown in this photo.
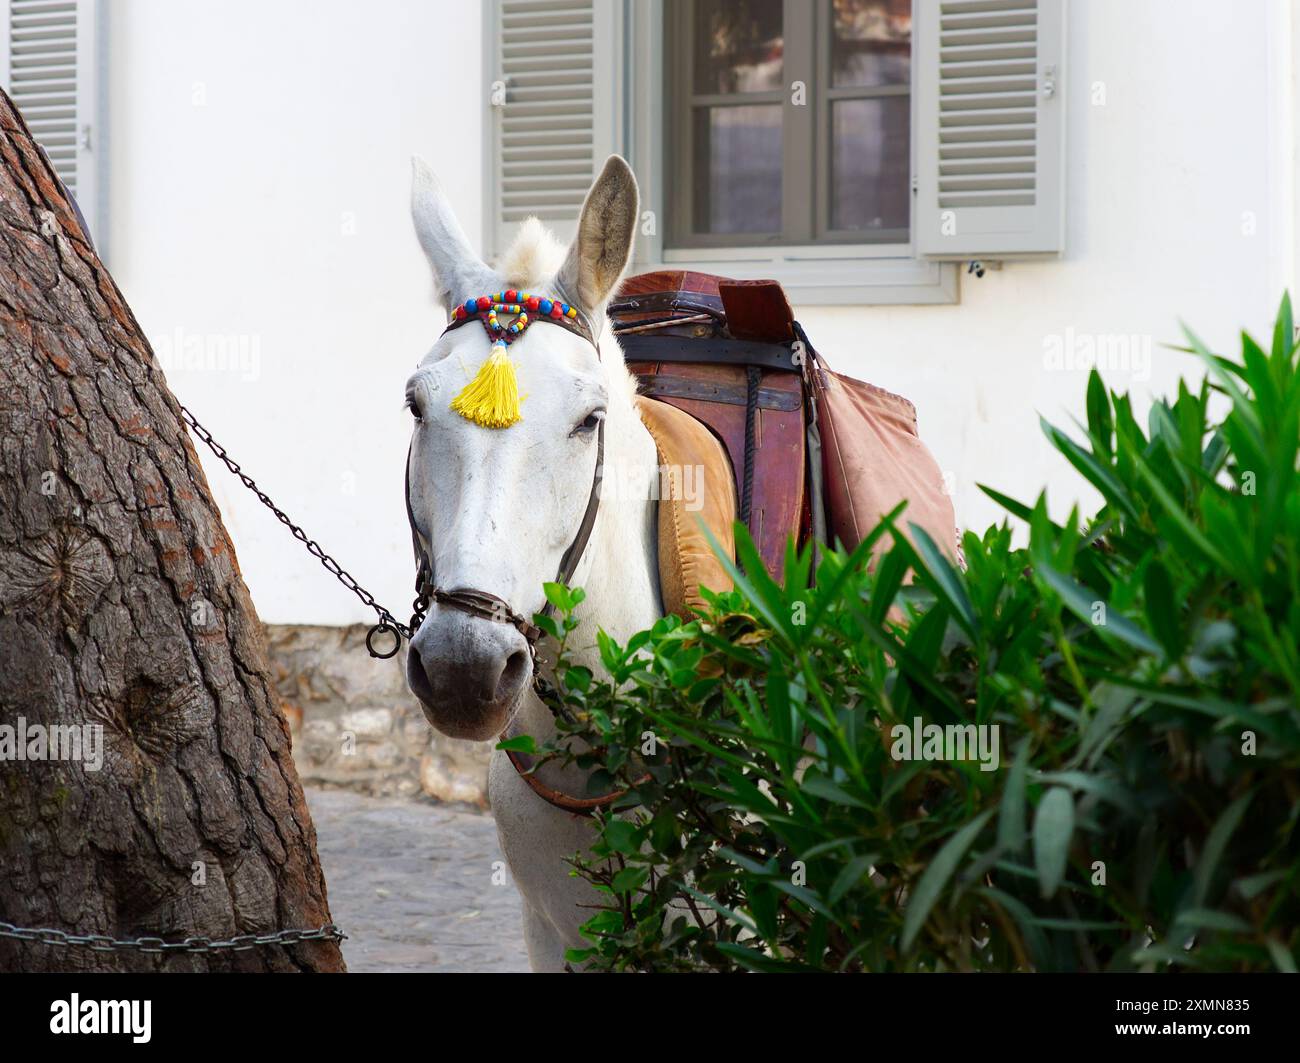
(1142, 672)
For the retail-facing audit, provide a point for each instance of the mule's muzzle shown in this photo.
(468, 672)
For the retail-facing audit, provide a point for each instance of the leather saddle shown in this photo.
(812, 453)
(720, 351)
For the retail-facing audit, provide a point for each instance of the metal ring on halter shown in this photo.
(380, 628)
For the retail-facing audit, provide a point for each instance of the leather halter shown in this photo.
(489, 606)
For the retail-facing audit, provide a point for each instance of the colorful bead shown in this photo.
(514, 303)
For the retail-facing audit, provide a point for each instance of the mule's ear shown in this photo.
(600, 250)
(458, 273)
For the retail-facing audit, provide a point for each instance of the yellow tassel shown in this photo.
(491, 399)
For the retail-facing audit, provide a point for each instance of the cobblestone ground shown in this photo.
(410, 883)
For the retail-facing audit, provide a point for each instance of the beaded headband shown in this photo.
(491, 399)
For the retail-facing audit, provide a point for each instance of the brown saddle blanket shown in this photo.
(814, 453)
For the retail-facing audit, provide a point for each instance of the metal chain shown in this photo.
(157, 946)
(388, 624)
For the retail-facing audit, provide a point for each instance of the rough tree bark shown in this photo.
(122, 605)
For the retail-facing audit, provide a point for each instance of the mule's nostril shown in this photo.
(514, 675)
(417, 678)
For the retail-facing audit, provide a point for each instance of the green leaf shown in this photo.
(1100, 426)
(578, 957)
(820, 786)
(1251, 886)
(1100, 476)
(1011, 817)
(1282, 959)
(1105, 786)
(1113, 704)
(1018, 509)
(946, 580)
(518, 744)
(754, 960)
(548, 625)
(739, 918)
(1162, 610)
(577, 678)
(621, 836)
(832, 591)
(936, 876)
(1177, 513)
(762, 592)
(1215, 844)
(629, 879)
(558, 595)
(1082, 602)
(851, 874)
(1035, 939)
(1208, 919)
(1219, 369)
(1053, 829)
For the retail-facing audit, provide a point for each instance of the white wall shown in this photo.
(260, 179)
(245, 136)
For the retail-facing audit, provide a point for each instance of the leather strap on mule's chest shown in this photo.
(525, 766)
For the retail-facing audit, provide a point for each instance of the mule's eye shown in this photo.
(589, 423)
(415, 410)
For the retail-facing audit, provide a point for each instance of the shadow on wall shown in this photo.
(355, 724)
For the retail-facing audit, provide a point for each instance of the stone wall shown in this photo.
(356, 725)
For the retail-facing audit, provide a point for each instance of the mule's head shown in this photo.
(496, 508)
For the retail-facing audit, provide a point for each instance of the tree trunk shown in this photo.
(122, 608)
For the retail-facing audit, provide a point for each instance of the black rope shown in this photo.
(755, 376)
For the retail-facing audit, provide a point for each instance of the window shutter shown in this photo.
(989, 128)
(50, 67)
(543, 130)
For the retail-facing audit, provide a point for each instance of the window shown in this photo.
(924, 133)
(49, 63)
(791, 121)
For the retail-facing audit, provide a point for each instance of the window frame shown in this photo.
(826, 96)
(826, 274)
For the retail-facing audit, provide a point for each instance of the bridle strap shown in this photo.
(569, 562)
(488, 607)
(574, 324)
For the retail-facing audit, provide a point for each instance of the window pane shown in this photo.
(869, 163)
(738, 45)
(737, 169)
(871, 43)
